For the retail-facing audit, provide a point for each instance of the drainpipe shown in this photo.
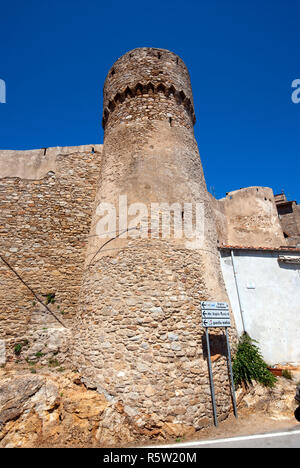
(237, 289)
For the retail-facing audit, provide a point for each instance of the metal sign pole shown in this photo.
(211, 379)
(231, 375)
(216, 314)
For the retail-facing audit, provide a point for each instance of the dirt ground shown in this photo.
(245, 424)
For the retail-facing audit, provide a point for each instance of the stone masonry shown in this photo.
(138, 329)
(125, 312)
(46, 203)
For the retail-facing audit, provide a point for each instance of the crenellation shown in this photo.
(148, 75)
(152, 107)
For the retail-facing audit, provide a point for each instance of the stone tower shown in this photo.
(138, 337)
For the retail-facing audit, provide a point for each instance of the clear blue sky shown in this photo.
(242, 56)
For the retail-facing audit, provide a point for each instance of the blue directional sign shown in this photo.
(214, 305)
(215, 314)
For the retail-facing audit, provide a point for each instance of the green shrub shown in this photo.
(18, 349)
(50, 298)
(287, 374)
(248, 364)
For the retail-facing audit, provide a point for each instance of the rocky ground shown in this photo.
(52, 408)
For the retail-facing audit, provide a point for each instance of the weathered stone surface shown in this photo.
(52, 410)
(248, 217)
(46, 201)
(14, 396)
(2, 353)
(56, 410)
(289, 216)
(148, 84)
(154, 283)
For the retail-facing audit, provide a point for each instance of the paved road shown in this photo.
(286, 439)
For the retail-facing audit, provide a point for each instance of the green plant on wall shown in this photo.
(18, 347)
(248, 364)
(50, 298)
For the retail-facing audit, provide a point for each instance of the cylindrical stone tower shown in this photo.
(139, 336)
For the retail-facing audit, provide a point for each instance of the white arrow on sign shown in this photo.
(215, 314)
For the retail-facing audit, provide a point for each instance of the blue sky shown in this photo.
(242, 57)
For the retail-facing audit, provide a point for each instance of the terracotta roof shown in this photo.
(285, 248)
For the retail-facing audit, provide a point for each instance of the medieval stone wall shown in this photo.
(46, 201)
(291, 225)
(248, 217)
(289, 216)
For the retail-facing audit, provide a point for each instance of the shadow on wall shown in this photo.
(217, 345)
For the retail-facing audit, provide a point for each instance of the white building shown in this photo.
(264, 290)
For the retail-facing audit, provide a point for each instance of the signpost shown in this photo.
(216, 314)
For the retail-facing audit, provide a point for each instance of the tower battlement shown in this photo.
(148, 84)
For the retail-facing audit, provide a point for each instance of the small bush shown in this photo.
(18, 349)
(248, 364)
(50, 298)
(287, 374)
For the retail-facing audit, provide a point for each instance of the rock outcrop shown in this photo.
(53, 409)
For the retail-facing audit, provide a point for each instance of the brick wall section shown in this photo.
(44, 226)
